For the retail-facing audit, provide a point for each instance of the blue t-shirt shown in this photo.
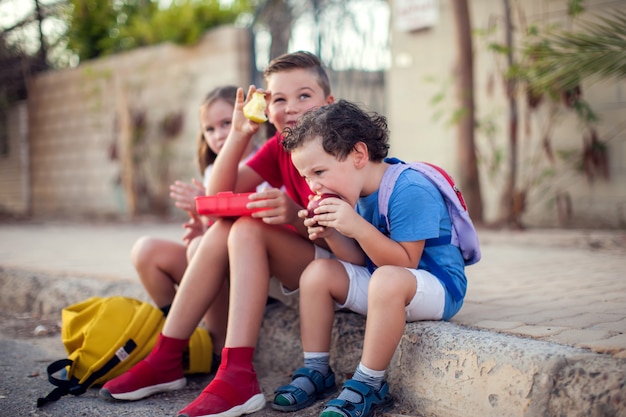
(416, 212)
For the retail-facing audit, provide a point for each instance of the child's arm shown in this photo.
(385, 251)
(382, 250)
(280, 208)
(226, 175)
(343, 247)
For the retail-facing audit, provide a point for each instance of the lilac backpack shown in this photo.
(463, 235)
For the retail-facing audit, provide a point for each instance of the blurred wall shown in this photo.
(14, 170)
(420, 100)
(135, 113)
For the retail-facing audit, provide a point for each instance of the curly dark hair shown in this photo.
(341, 126)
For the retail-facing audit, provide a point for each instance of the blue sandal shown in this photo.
(371, 401)
(324, 386)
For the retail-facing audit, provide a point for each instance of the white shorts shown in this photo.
(427, 304)
(291, 297)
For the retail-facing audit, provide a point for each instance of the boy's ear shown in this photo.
(360, 156)
(330, 99)
(269, 115)
(268, 95)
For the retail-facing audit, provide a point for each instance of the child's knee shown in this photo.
(312, 271)
(318, 274)
(390, 281)
(245, 228)
(142, 250)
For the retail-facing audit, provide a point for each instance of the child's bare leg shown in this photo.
(160, 265)
(323, 283)
(215, 317)
(202, 282)
(192, 247)
(255, 249)
(391, 289)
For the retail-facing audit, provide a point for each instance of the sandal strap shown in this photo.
(345, 408)
(299, 394)
(316, 378)
(342, 405)
(322, 387)
(368, 394)
(370, 399)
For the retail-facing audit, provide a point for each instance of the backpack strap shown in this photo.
(62, 385)
(386, 187)
(384, 193)
(72, 385)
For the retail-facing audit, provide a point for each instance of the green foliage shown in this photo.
(498, 48)
(438, 103)
(90, 23)
(575, 7)
(103, 27)
(562, 58)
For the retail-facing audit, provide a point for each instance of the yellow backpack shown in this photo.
(105, 336)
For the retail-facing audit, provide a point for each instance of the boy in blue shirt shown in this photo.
(339, 149)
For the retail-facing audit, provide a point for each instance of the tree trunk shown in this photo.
(469, 180)
(277, 15)
(42, 53)
(509, 211)
(279, 21)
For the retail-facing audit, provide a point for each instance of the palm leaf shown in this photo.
(596, 52)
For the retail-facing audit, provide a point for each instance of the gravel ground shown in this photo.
(25, 357)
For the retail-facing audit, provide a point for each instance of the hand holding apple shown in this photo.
(315, 202)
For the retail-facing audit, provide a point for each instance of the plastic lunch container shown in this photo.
(225, 204)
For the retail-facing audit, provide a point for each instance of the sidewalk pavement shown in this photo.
(566, 288)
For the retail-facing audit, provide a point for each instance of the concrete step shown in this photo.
(439, 368)
(443, 369)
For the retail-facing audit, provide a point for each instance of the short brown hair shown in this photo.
(300, 60)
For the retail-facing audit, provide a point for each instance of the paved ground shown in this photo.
(564, 287)
(561, 286)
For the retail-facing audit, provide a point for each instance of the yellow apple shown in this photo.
(255, 109)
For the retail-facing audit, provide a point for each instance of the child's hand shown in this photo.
(240, 123)
(195, 227)
(279, 207)
(314, 230)
(335, 213)
(185, 194)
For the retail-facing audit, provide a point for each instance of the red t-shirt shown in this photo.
(274, 165)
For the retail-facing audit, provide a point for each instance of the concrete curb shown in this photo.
(447, 369)
(439, 369)
(42, 293)
(444, 369)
